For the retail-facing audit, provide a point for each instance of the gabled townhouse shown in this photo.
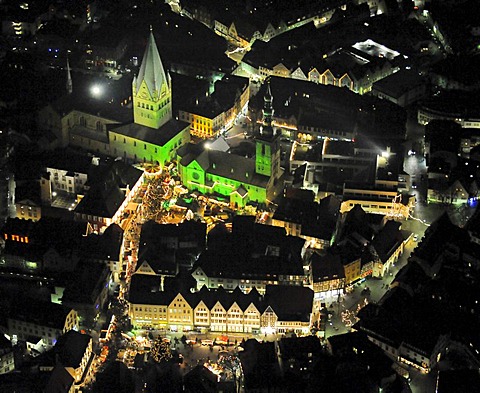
(299, 354)
(163, 265)
(356, 225)
(351, 258)
(202, 315)
(105, 249)
(108, 195)
(180, 312)
(441, 191)
(314, 222)
(211, 115)
(39, 324)
(218, 318)
(28, 204)
(166, 246)
(252, 314)
(86, 290)
(72, 353)
(148, 304)
(288, 309)
(387, 246)
(327, 276)
(235, 318)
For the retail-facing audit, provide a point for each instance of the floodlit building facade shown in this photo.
(153, 136)
(241, 180)
(216, 310)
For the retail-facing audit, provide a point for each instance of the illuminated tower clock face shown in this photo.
(143, 95)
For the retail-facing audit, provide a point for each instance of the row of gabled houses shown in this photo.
(281, 309)
(243, 25)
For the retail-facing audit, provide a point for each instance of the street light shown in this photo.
(96, 90)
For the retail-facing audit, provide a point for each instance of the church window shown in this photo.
(134, 143)
(124, 140)
(144, 146)
(143, 105)
(99, 126)
(114, 137)
(155, 150)
(195, 175)
(83, 122)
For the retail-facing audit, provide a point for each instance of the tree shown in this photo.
(160, 351)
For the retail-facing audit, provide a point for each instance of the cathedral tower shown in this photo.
(151, 90)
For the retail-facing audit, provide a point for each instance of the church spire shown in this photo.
(267, 112)
(152, 89)
(69, 79)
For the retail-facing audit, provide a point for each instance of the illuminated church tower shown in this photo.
(151, 90)
(267, 152)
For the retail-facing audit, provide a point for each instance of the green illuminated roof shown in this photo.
(150, 135)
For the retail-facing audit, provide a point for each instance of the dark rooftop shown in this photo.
(105, 194)
(399, 83)
(71, 348)
(40, 313)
